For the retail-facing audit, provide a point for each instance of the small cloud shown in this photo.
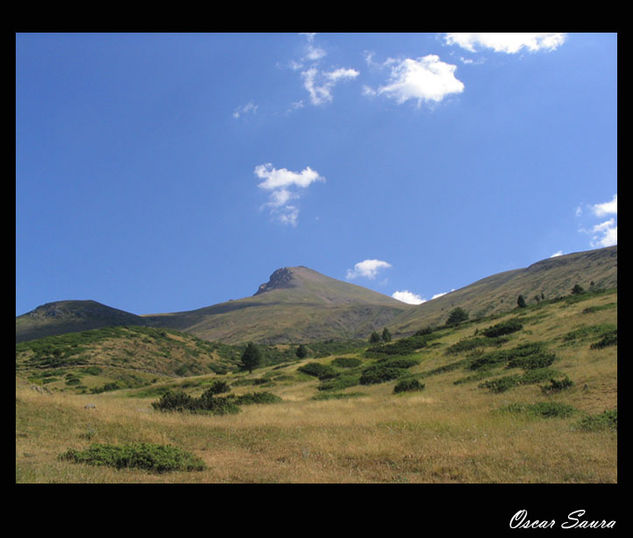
(319, 84)
(249, 108)
(367, 269)
(408, 297)
(559, 253)
(284, 185)
(509, 43)
(603, 234)
(607, 208)
(440, 294)
(423, 80)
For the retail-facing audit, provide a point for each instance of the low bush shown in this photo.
(346, 362)
(146, 456)
(531, 362)
(609, 339)
(506, 327)
(469, 344)
(402, 362)
(316, 369)
(339, 383)
(379, 374)
(408, 385)
(607, 420)
(556, 385)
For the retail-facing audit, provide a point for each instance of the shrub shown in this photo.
(346, 362)
(506, 327)
(407, 385)
(556, 385)
(257, 398)
(469, 344)
(146, 456)
(379, 374)
(174, 401)
(607, 420)
(319, 370)
(401, 362)
(456, 316)
(609, 339)
(339, 383)
(531, 362)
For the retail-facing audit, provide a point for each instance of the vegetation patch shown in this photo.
(582, 334)
(408, 385)
(557, 385)
(472, 343)
(607, 420)
(609, 339)
(316, 369)
(339, 383)
(401, 362)
(542, 409)
(147, 456)
(337, 395)
(495, 358)
(346, 362)
(380, 374)
(530, 377)
(500, 329)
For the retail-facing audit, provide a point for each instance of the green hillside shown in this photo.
(523, 396)
(546, 279)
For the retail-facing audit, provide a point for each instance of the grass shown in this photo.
(449, 432)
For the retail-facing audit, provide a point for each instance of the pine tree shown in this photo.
(521, 302)
(251, 358)
(386, 335)
(301, 352)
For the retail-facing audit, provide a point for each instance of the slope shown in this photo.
(546, 279)
(296, 304)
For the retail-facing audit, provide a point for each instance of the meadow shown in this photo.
(529, 396)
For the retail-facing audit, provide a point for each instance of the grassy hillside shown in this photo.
(525, 396)
(546, 279)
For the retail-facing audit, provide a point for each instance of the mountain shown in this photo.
(298, 304)
(70, 316)
(549, 278)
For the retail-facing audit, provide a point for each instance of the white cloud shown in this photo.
(510, 43)
(282, 185)
(319, 84)
(367, 269)
(440, 294)
(607, 208)
(559, 253)
(424, 79)
(605, 234)
(245, 109)
(408, 297)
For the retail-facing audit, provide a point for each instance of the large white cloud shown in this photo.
(367, 269)
(423, 79)
(408, 297)
(510, 43)
(606, 208)
(283, 186)
(605, 233)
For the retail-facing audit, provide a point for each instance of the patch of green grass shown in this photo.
(589, 332)
(147, 456)
(607, 420)
(542, 409)
(408, 385)
(339, 383)
(337, 395)
(346, 362)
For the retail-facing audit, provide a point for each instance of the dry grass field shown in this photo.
(446, 433)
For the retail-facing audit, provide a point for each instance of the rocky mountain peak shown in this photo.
(281, 278)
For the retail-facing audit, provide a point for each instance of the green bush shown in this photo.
(339, 383)
(531, 362)
(506, 327)
(401, 362)
(556, 385)
(607, 420)
(407, 385)
(346, 362)
(379, 374)
(146, 456)
(609, 339)
(174, 401)
(319, 370)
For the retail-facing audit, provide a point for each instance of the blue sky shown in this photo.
(168, 172)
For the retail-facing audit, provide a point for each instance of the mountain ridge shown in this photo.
(298, 304)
